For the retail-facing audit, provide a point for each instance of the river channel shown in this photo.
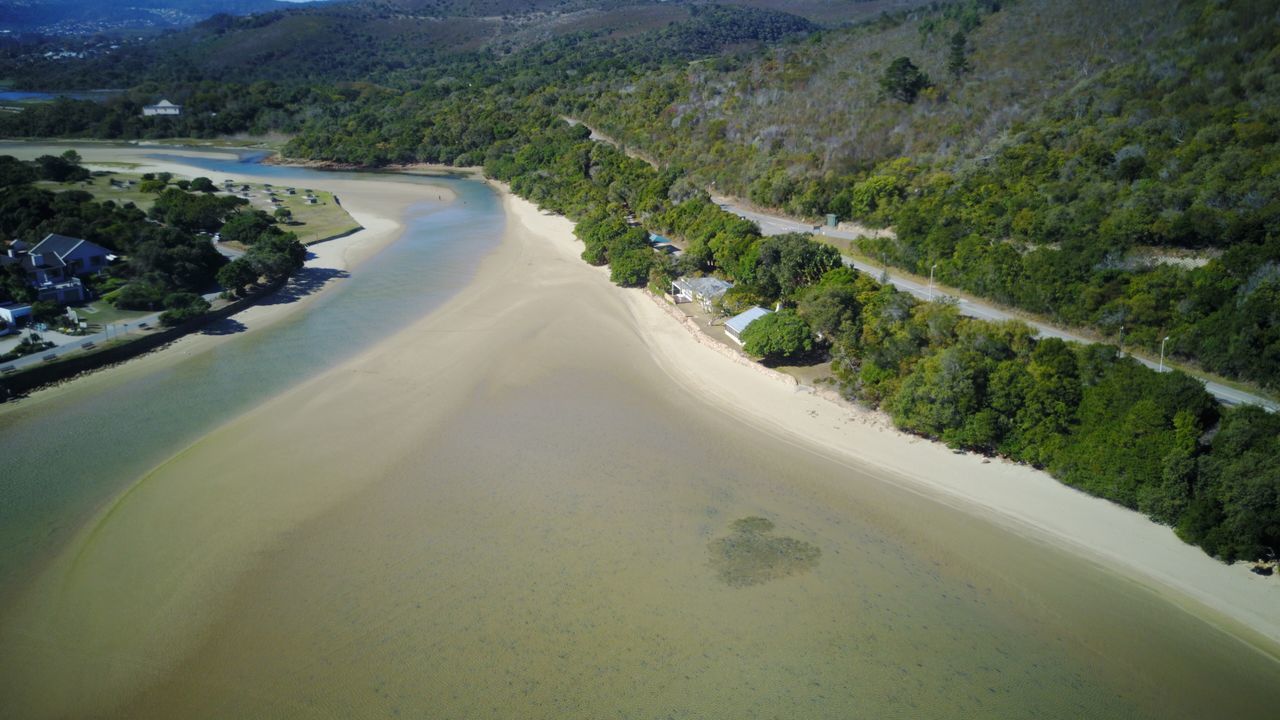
(579, 538)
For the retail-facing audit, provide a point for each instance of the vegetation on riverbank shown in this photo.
(166, 255)
(1154, 442)
(1118, 172)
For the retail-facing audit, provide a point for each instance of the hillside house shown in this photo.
(164, 107)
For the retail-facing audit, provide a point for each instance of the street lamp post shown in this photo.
(935, 267)
(1162, 342)
(1121, 341)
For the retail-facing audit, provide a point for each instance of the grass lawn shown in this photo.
(99, 185)
(101, 312)
(314, 223)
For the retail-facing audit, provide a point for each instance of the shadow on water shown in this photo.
(307, 281)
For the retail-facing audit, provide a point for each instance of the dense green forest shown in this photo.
(1118, 171)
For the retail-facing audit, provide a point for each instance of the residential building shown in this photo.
(164, 107)
(734, 326)
(702, 290)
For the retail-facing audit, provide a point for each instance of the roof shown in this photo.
(20, 245)
(739, 322)
(47, 261)
(56, 244)
(62, 245)
(164, 103)
(709, 288)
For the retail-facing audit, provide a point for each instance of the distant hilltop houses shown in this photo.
(164, 107)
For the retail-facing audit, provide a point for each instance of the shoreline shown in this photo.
(376, 205)
(1013, 495)
(124, 587)
(1017, 497)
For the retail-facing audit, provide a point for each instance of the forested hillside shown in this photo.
(396, 42)
(1110, 165)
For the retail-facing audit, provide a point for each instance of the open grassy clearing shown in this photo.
(101, 187)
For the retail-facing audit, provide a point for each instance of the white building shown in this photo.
(734, 326)
(164, 107)
(703, 290)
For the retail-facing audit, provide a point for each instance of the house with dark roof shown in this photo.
(80, 257)
(54, 265)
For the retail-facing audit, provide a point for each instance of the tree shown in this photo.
(246, 227)
(903, 80)
(778, 336)
(631, 267)
(202, 184)
(236, 275)
(181, 307)
(783, 264)
(958, 59)
(59, 169)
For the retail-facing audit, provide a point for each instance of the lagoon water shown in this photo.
(556, 549)
(65, 457)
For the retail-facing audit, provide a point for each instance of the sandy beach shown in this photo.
(447, 467)
(1015, 495)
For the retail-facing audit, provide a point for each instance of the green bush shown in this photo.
(782, 335)
(181, 307)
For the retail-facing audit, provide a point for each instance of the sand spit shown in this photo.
(1015, 495)
(138, 590)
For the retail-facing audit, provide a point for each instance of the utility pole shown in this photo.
(1121, 341)
(1162, 342)
(935, 267)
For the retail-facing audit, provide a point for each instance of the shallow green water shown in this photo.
(556, 550)
(61, 459)
(517, 567)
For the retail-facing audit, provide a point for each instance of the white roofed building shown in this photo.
(164, 107)
(734, 326)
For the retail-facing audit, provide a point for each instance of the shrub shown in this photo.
(778, 336)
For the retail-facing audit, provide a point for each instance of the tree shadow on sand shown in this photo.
(225, 326)
(307, 281)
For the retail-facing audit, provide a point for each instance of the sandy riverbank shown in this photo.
(1012, 494)
(505, 509)
(377, 204)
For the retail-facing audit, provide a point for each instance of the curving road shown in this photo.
(776, 225)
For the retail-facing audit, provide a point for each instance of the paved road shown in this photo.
(776, 225)
(84, 343)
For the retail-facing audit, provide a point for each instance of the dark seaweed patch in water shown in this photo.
(750, 555)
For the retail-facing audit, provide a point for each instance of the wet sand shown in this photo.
(511, 510)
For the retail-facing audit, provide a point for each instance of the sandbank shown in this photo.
(1014, 495)
(138, 588)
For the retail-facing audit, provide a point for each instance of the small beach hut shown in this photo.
(734, 326)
